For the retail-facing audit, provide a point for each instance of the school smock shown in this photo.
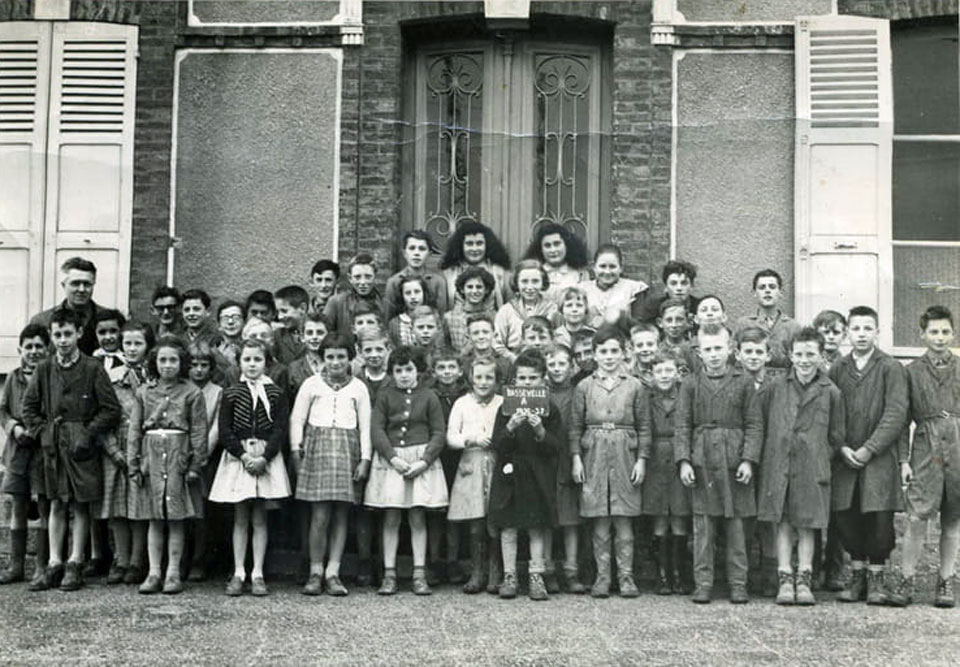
(780, 330)
(617, 297)
(524, 486)
(508, 324)
(663, 492)
(717, 426)
(116, 492)
(164, 461)
(473, 420)
(803, 431)
(436, 286)
(934, 453)
(22, 459)
(70, 411)
(610, 431)
(875, 411)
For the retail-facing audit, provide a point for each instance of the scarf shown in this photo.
(258, 392)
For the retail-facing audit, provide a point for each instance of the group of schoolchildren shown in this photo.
(757, 436)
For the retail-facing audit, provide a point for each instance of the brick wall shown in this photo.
(898, 9)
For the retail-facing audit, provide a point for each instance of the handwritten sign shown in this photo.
(531, 400)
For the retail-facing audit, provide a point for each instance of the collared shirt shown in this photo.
(781, 329)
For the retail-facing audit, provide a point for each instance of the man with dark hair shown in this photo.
(78, 277)
(324, 277)
(166, 302)
(768, 289)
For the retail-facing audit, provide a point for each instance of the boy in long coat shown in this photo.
(70, 406)
(717, 443)
(804, 427)
(865, 483)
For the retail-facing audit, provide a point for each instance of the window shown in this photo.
(926, 171)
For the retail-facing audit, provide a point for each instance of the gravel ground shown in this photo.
(202, 626)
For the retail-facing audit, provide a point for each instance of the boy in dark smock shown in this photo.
(69, 406)
(866, 476)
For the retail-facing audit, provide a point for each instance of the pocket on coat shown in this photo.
(586, 441)
(465, 469)
(632, 441)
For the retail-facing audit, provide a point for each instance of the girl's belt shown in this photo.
(164, 431)
(943, 414)
(611, 426)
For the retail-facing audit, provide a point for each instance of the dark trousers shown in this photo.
(865, 535)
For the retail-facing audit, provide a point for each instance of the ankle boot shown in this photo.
(945, 598)
(601, 556)
(769, 578)
(478, 563)
(41, 559)
(856, 588)
(899, 590)
(664, 566)
(624, 548)
(18, 552)
(876, 591)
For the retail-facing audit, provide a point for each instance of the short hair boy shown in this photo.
(165, 304)
(865, 487)
(260, 304)
(833, 327)
(324, 276)
(69, 405)
(717, 444)
(292, 305)
(804, 427)
(416, 245)
(932, 484)
(362, 275)
(22, 458)
(768, 290)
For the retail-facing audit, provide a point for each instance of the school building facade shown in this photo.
(230, 144)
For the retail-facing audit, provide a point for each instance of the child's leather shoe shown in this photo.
(945, 598)
(804, 589)
(537, 587)
(173, 584)
(876, 590)
(899, 590)
(116, 574)
(702, 595)
(335, 587)
(572, 583)
(258, 587)
(551, 582)
(856, 588)
(151, 585)
(314, 585)
(628, 587)
(786, 594)
(72, 577)
(508, 589)
(389, 584)
(234, 586)
(601, 586)
(738, 594)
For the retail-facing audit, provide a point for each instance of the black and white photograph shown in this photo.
(479, 332)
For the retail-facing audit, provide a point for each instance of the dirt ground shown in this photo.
(201, 626)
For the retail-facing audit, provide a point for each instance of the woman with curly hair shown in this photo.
(475, 244)
(563, 255)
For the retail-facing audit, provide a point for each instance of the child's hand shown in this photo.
(850, 458)
(399, 465)
(296, 457)
(906, 474)
(687, 476)
(192, 475)
(483, 442)
(576, 470)
(863, 455)
(18, 432)
(639, 472)
(136, 478)
(744, 472)
(120, 461)
(515, 420)
(257, 466)
(362, 471)
(416, 469)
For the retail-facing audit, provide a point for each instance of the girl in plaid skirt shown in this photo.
(331, 450)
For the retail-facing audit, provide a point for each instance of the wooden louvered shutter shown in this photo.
(24, 83)
(90, 155)
(844, 140)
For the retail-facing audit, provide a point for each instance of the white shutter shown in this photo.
(844, 142)
(24, 84)
(90, 156)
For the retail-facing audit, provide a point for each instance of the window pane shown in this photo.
(922, 277)
(563, 90)
(926, 191)
(453, 115)
(925, 87)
